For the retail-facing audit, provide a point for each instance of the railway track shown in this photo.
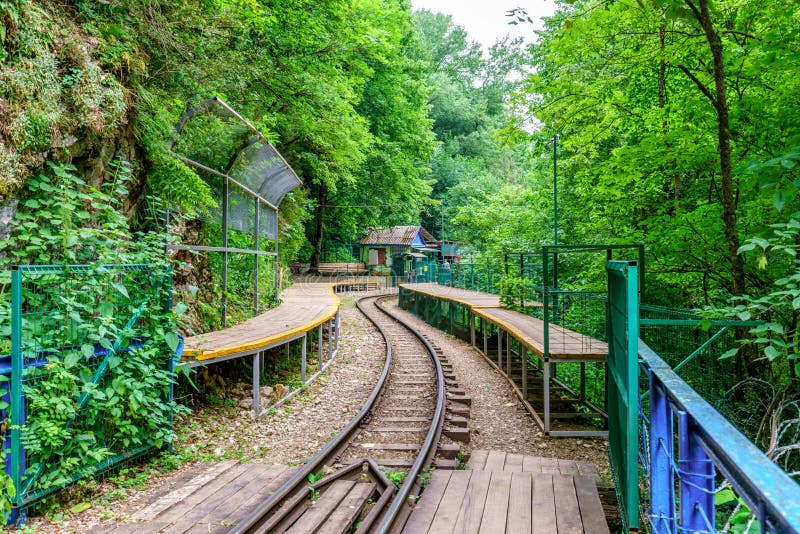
(397, 432)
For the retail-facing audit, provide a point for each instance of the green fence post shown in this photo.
(623, 385)
(16, 382)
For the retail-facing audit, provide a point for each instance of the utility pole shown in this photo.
(441, 247)
(555, 190)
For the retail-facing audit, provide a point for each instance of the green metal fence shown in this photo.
(623, 387)
(476, 276)
(692, 345)
(90, 372)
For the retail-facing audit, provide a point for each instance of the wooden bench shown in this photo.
(342, 268)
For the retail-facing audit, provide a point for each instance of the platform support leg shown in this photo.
(319, 348)
(583, 382)
(330, 339)
(485, 341)
(303, 359)
(471, 328)
(500, 348)
(547, 397)
(523, 357)
(508, 354)
(256, 384)
(338, 328)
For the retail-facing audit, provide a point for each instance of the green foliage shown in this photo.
(777, 336)
(53, 91)
(62, 219)
(623, 85)
(75, 422)
(396, 477)
(513, 290)
(313, 479)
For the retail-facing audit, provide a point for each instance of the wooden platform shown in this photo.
(563, 344)
(304, 307)
(466, 297)
(212, 500)
(512, 493)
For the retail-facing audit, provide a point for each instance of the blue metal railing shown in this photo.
(707, 442)
(711, 453)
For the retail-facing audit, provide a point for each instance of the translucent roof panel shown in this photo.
(215, 138)
(267, 222)
(241, 210)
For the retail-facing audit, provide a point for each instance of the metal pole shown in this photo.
(338, 325)
(508, 354)
(255, 261)
(442, 246)
(224, 252)
(546, 384)
(303, 359)
(523, 352)
(330, 339)
(485, 341)
(471, 327)
(319, 348)
(499, 347)
(277, 259)
(555, 191)
(17, 420)
(256, 384)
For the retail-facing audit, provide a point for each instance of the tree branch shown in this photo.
(694, 9)
(700, 85)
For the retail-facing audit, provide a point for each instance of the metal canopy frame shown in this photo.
(253, 177)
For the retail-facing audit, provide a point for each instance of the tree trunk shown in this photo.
(662, 103)
(319, 227)
(748, 354)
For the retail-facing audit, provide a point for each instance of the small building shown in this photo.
(399, 250)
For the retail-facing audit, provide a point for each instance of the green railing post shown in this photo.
(16, 382)
(623, 385)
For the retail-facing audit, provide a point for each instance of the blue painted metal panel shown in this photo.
(768, 491)
(418, 241)
(662, 489)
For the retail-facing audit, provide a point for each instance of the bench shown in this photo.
(342, 268)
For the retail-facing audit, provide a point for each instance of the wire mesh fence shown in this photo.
(89, 373)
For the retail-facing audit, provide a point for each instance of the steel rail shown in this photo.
(330, 450)
(336, 446)
(428, 449)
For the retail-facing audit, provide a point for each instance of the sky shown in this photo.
(486, 21)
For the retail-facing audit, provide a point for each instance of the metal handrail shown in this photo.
(769, 492)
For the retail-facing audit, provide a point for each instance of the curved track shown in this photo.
(398, 427)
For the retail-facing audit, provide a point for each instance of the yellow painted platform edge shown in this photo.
(201, 355)
(451, 299)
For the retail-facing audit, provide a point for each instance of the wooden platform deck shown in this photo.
(498, 492)
(211, 499)
(472, 299)
(563, 344)
(303, 308)
(512, 493)
(552, 399)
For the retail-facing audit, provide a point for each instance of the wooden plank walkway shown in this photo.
(213, 500)
(471, 299)
(303, 308)
(563, 344)
(501, 492)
